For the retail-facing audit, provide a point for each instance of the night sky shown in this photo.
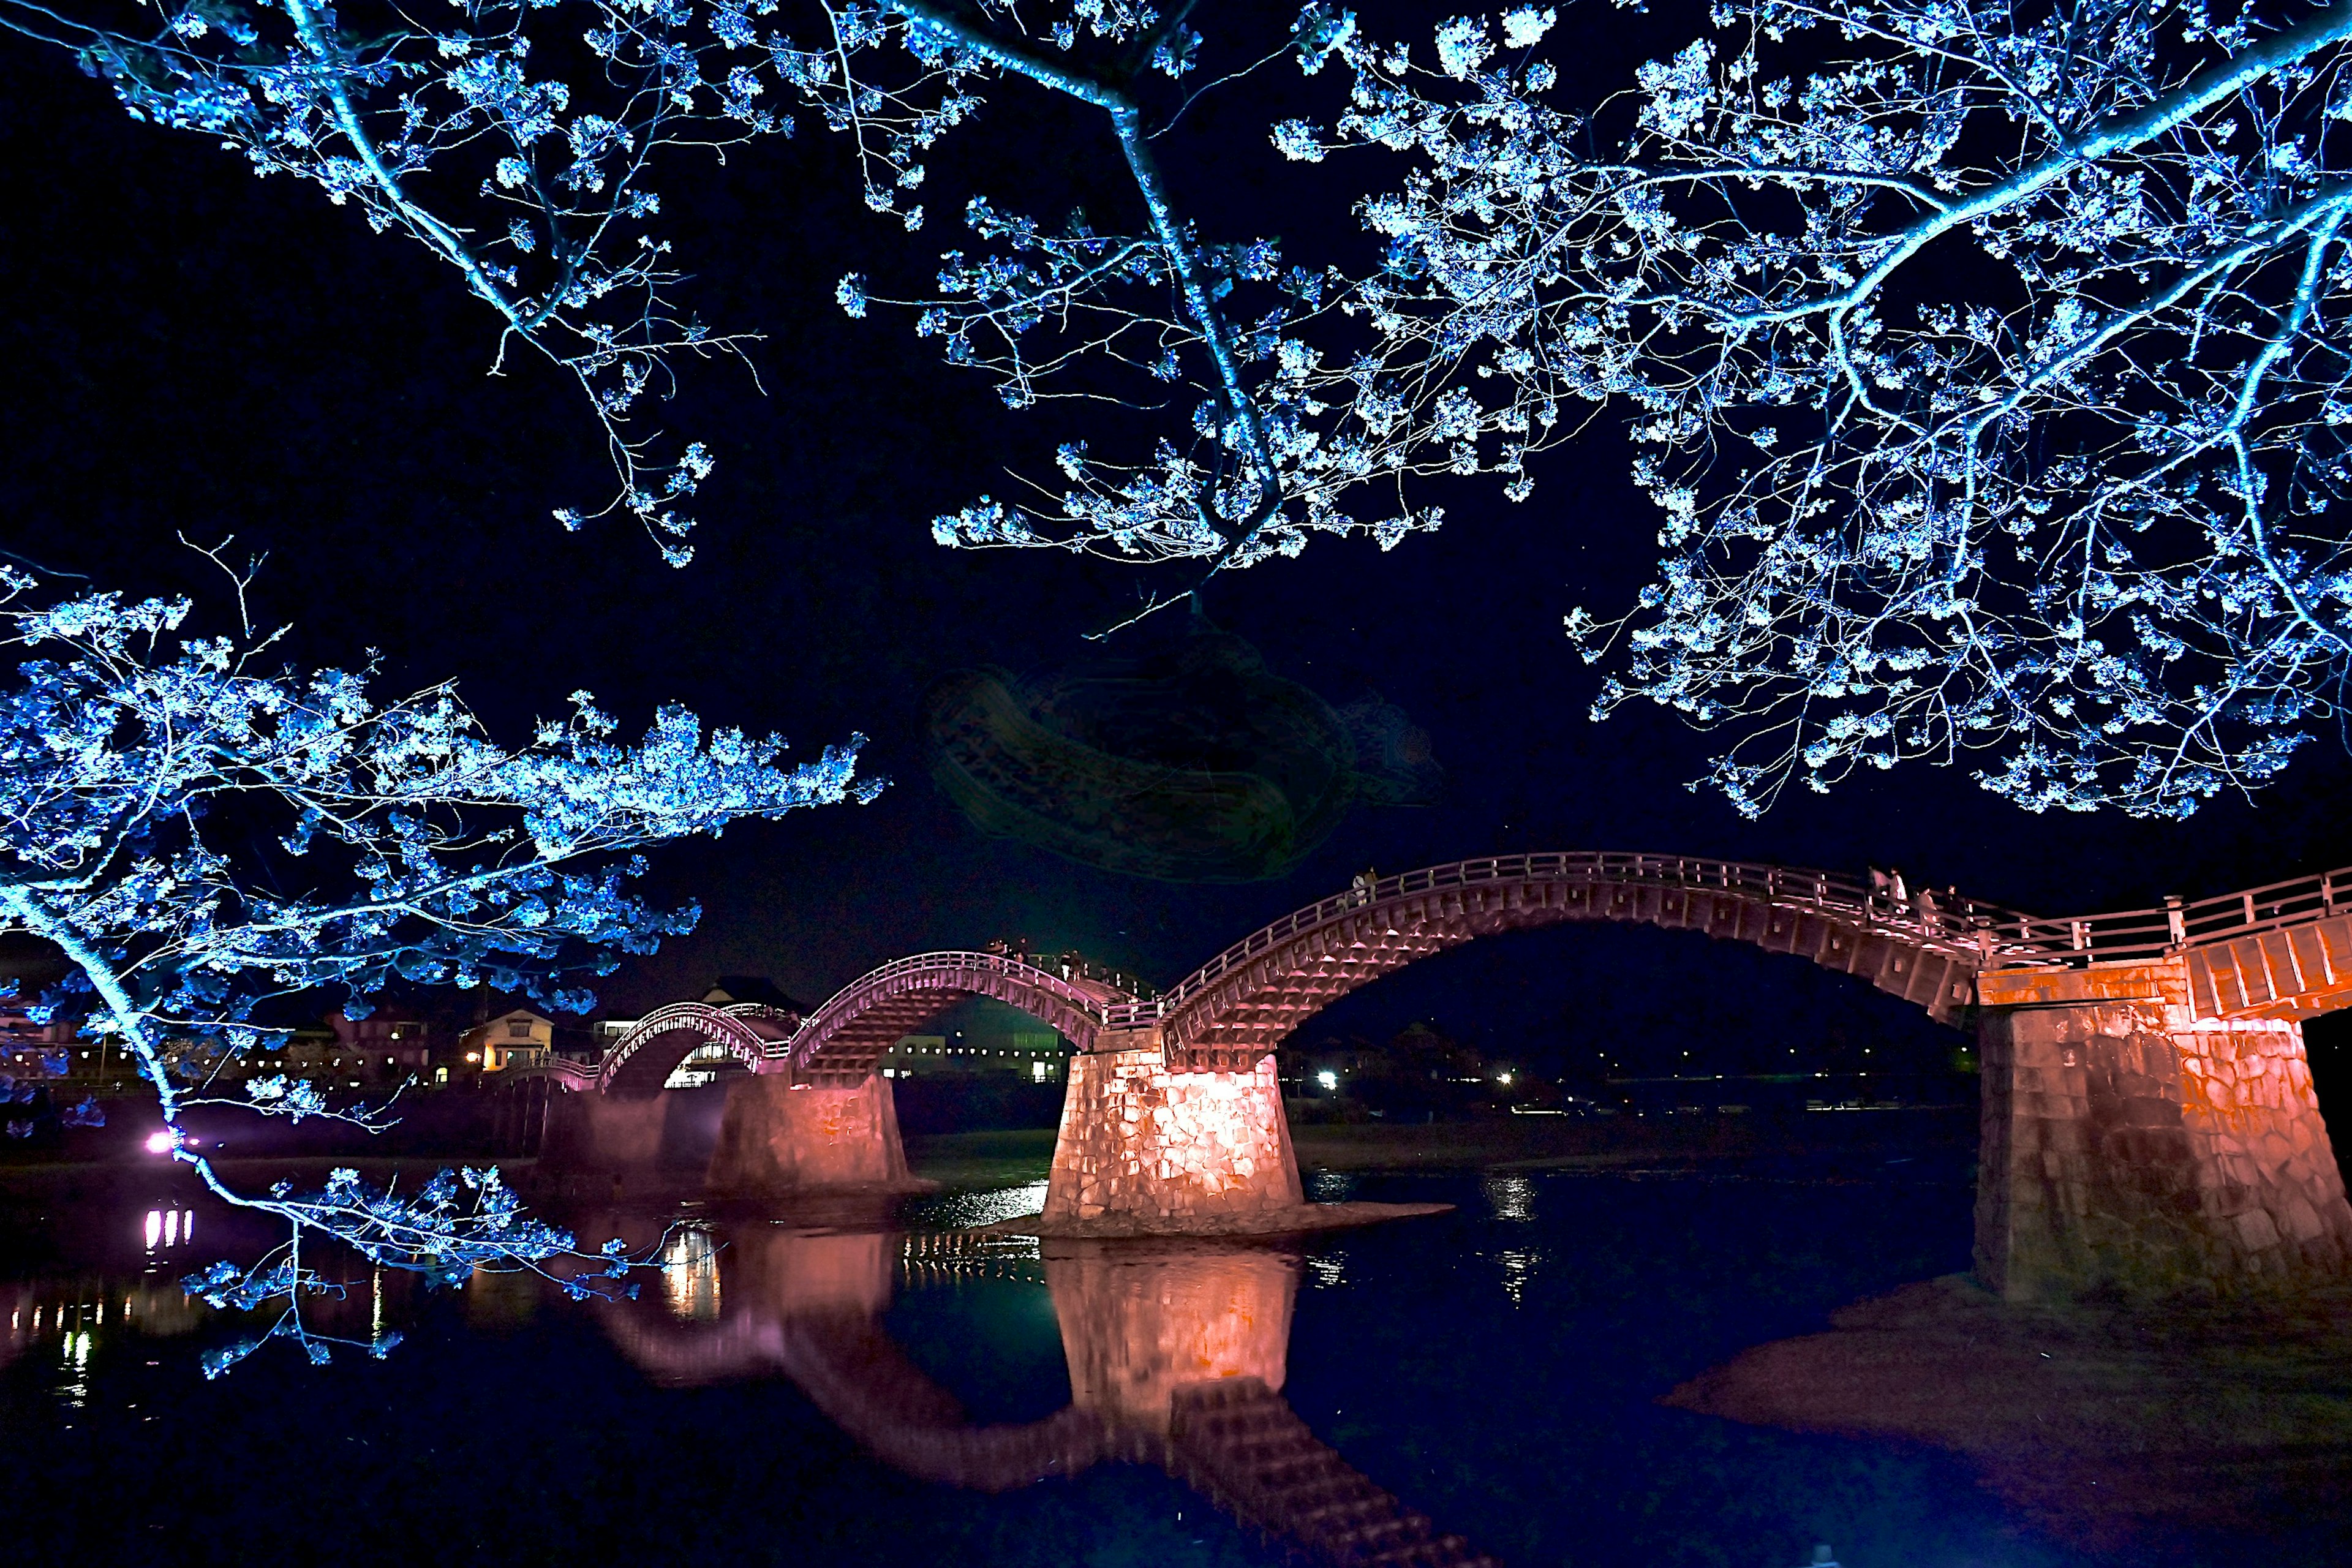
(188, 348)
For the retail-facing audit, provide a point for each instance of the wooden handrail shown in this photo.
(1988, 934)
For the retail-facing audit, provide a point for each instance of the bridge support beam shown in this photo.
(779, 1137)
(1143, 1150)
(2128, 1146)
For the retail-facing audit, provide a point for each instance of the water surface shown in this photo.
(1481, 1384)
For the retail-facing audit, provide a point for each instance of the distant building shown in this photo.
(756, 988)
(510, 1042)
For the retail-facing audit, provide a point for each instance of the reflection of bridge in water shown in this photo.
(2149, 1116)
(1177, 1360)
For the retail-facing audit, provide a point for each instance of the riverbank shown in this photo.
(1514, 1143)
(985, 1160)
(2108, 1424)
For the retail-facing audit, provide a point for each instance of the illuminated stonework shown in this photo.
(778, 1136)
(1144, 1149)
(1138, 1330)
(2128, 1144)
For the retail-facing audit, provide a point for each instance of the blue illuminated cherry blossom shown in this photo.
(1987, 362)
(138, 768)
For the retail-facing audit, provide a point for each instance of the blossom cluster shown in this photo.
(138, 771)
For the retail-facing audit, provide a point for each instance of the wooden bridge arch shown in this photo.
(843, 1039)
(642, 1060)
(1239, 1006)
(2284, 951)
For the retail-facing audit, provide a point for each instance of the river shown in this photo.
(1481, 1386)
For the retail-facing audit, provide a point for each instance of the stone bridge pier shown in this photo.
(778, 1136)
(2130, 1146)
(756, 1136)
(639, 1139)
(1142, 1148)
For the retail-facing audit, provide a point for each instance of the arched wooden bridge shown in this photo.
(644, 1058)
(2283, 951)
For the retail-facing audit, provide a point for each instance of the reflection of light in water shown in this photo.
(690, 1274)
(1513, 1197)
(77, 1362)
(170, 1227)
(931, 1255)
(1329, 1268)
(1329, 1186)
(1518, 1264)
(959, 1209)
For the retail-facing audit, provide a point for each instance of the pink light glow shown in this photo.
(159, 1142)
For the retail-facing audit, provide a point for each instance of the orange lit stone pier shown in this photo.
(2133, 1141)
(780, 1136)
(1145, 1149)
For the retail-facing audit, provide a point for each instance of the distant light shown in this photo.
(1503, 1078)
(1327, 1078)
(158, 1142)
(154, 1229)
(473, 1056)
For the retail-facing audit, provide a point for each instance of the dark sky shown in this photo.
(189, 348)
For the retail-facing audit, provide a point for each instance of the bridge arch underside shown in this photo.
(643, 1059)
(1234, 1021)
(854, 1031)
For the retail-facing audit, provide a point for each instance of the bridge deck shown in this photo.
(2279, 951)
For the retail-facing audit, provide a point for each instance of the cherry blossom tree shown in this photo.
(1992, 364)
(400, 843)
(1982, 356)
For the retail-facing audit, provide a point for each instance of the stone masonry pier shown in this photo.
(1144, 1149)
(778, 1136)
(2130, 1146)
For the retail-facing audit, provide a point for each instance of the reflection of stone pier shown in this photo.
(1182, 1358)
(1177, 1360)
(1135, 1332)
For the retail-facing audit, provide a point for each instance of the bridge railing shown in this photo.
(2125, 934)
(1964, 925)
(1990, 933)
(1081, 994)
